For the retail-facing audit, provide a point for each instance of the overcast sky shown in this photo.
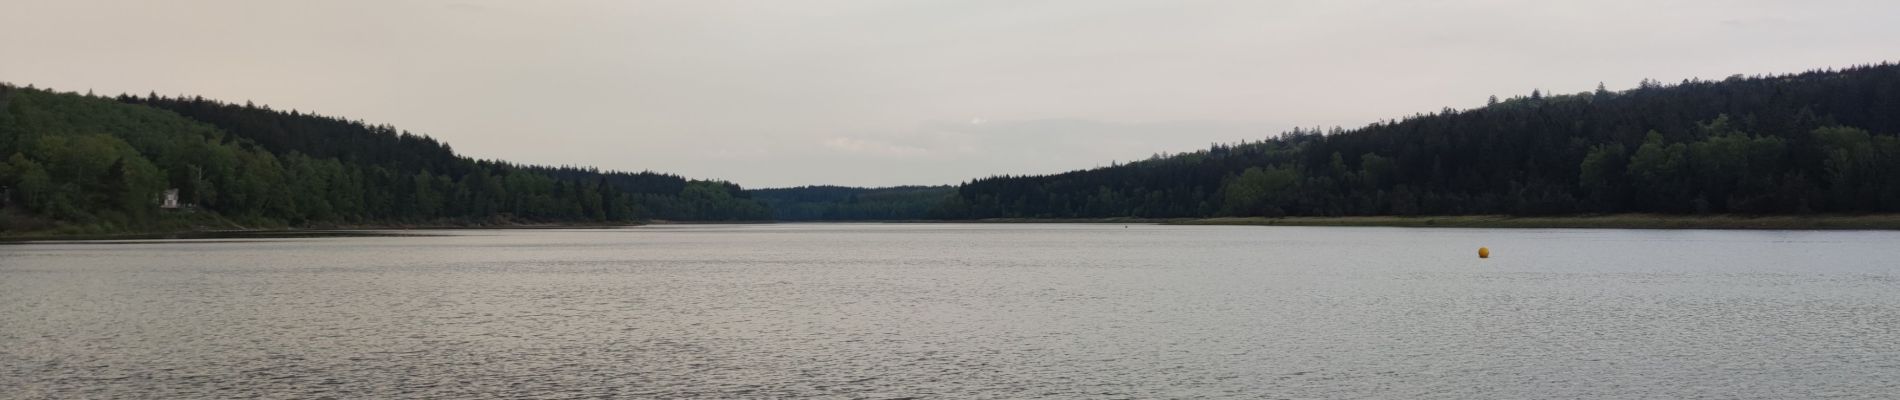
(781, 93)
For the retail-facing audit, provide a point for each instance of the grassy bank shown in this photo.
(1610, 221)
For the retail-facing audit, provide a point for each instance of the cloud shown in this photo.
(737, 153)
(950, 151)
(465, 7)
(881, 93)
(873, 147)
(1757, 22)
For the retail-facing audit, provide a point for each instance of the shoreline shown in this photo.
(1595, 221)
(308, 231)
(1591, 221)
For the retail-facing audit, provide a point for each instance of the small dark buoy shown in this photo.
(1484, 252)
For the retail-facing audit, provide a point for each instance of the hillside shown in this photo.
(87, 164)
(1815, 142)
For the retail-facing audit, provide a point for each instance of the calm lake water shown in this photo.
(953, 311)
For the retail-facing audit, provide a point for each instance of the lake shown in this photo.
(955, 311)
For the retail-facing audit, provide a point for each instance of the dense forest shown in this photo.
(1814, 142)
(836, 203)
(85, 163)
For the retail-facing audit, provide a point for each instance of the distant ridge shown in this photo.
(1822, 141)
(85, 164)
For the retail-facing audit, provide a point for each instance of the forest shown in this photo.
(86, 163)
(1822, 141)
(1816, 142)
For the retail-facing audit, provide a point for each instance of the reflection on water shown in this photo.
(960, 311)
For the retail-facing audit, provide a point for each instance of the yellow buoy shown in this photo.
(1484, 252)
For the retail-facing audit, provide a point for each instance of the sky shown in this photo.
(882, 93)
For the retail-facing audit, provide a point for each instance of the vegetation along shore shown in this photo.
(1814, 150)
(1608, 221)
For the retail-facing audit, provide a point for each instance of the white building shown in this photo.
(170, 200)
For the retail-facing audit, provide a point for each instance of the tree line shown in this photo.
(101, 162)
(1815, 142)
(1822, 141)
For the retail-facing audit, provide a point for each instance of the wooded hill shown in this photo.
(1815, 142)
(84, 163)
